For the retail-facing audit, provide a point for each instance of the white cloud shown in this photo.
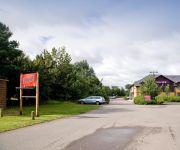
(121, 47)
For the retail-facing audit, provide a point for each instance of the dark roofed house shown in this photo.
(161, 80)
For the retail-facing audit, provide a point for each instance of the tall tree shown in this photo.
(149, 87)
(8, 51)
(44, 64)
(127, 87)
(10, 58)
(167, 90)
(86, 82)
(56, 73)
(83, 68)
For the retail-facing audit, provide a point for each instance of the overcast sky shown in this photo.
(123, 40)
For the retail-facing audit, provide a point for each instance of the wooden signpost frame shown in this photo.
(36, 96)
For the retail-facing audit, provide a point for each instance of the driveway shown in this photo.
(118, 126)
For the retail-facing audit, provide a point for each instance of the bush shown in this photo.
(174, 98)
(168, 98)
(106, 98)
(160, 99)
(140, 100)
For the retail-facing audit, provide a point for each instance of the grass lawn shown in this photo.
(50, 111)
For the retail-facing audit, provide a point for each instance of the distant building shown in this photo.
(3, 93)
(161, 80)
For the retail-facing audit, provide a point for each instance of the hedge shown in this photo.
(140, 100)
(168, 98)
(158, 100)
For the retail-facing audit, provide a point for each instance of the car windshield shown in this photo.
(93, 97)
(97, 97)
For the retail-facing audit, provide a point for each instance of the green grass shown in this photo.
(50, 111)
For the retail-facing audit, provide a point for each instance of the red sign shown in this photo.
(28, 80)
(147, 97)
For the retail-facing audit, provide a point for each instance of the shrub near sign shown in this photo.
(147, 97)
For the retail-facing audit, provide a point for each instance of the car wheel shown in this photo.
(81, 102)
(97, 103)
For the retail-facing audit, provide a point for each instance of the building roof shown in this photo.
(138, 83)
(174, 78)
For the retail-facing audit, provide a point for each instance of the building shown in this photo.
(3, 93)
(161, 80)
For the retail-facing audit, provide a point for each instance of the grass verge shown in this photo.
(50, 111)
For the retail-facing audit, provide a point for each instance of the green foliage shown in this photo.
(127, 89)
(174, 98)
(86, 83)
(107, 90)
(8, 52)
(103, 92)
(122, 92)
(167, 90)
(83, 68)
(160, 99)
(165, 98)
(149, 87)
(140, 101)
(56, 73)
(116, 91)
(59, 79)
(128, 86)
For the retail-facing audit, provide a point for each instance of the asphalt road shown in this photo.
(118, 126)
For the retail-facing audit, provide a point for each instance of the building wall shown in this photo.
(177, 91)
(134, 91)
(170, 94)
(3, 93)
(131, 92)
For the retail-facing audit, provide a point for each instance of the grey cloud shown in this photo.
(122, 47)
(1, 10)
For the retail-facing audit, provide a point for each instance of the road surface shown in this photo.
(118, 126)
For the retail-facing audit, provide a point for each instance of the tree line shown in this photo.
(60, 79)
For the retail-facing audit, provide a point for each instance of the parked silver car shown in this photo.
(93, 100)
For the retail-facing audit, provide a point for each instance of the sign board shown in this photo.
(147, 97)
(28, 80)
(163, 81)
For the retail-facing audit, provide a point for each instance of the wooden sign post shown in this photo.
(21, 93)
(37, 95)
(29, 81)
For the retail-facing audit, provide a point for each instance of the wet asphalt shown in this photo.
(105, 139)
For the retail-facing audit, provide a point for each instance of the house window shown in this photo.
(178, 86)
